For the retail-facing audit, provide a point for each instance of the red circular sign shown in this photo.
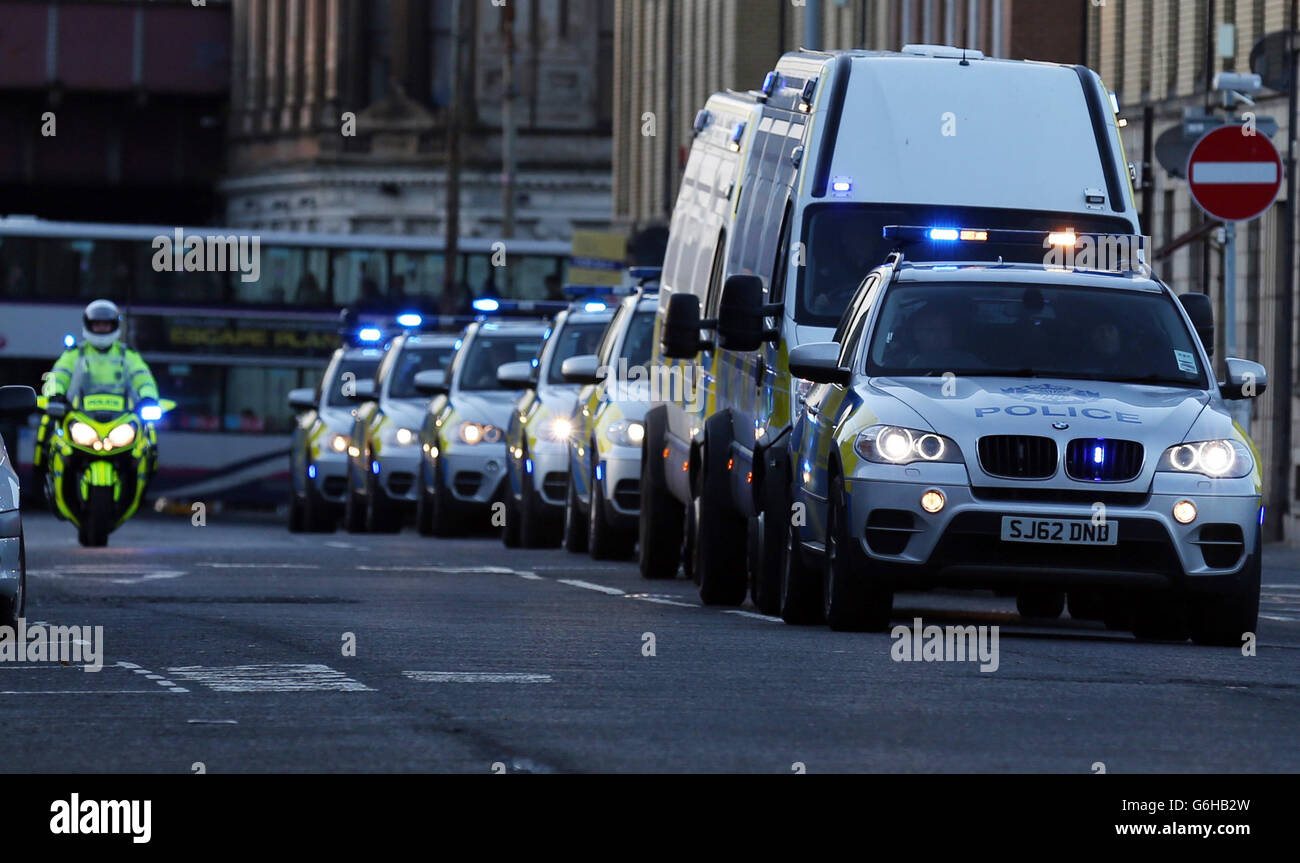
(1234, 176)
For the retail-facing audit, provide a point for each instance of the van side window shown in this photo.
(776, 290)
(715, 275)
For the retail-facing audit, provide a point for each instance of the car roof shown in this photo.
(1037, 274)
(523, 327)
(436, 340)
(360, 353)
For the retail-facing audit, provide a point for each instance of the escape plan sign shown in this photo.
(1234, 177)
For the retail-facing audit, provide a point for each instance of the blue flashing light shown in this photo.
(311, 471)
(600, 473)
(374, 468)
(151, 413)
(546, 335)
(456, 346)
(409, 319)
(69, 341)
(1098, 454)
(528, 465)
(1261, 515)
(486, 304)
(947, 234)
(535, 362)
(595, 306)
(843, 185)
(370, 334)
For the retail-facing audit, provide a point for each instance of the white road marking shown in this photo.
(475, 677)
(531, 576)
(136, 574)
(92, 692)
(211, 722)
(441, 570)
(261, 565)
(575, 582)
(337, 544)
(662, 601)
(270, 677)
(167, 685)
(755, 615)
(1280, 619)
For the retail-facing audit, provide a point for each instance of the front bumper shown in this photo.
(11, 562)
(961, 545)
(475, 474)
(331, 480)
(397, 474)
(550, 474)
(620, 471)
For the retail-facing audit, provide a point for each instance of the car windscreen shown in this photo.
(491, 350)
(412, 361)
(575, 339)
(639, 342)
(359, 370)
(1028, 330)
(844, 242)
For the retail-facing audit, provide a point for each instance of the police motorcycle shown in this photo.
(101, 453)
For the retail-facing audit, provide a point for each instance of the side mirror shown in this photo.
(515, 376)
(431, 382)
(582, 369)
(741, 312)
(302, 399)
(17, 399)
(364, 392)
(1201, 311)
(818, 362)
(679, 338)
(1246, 380)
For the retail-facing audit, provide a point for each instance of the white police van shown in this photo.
(779, 218)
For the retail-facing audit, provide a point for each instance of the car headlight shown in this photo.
(122, 435)
(339, 443)
(83, 435)
(474, 433)
(897, 445)
(626, 432)
(405, 437)
(561, 429)
(1220, 459)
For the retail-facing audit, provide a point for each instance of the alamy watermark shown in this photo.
(933, 643)
(680, 384)
(41, 642)
(210, 253)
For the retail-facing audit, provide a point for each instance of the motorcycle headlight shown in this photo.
(626, 432)
(82, 434)
(561, 429)
(122, 435)
(405, 437)
(339, 443)
(897, 445)
(1219, 459)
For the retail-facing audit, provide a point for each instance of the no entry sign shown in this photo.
(1233, 176)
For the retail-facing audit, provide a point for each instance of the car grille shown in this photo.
(400, 483)
(627, 494)
(555, 486)
(1018, 456)
(466, 482)
(335, 485)
(1103, 460)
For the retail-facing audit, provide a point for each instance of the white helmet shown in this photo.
(101, 324)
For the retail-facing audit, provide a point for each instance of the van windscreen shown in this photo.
(844, 242)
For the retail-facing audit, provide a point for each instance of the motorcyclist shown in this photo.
(100, 363)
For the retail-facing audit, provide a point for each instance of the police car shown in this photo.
(318, 449)
(537, 436)
(462, 467)
(15, 402)
(1027, 428)
(604, 495)
(384, 448)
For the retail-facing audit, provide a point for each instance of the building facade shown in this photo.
(1163, 55)
(339, 115)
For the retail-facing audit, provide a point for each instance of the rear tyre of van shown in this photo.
(720, 532)
(853, 601)
(660, 527)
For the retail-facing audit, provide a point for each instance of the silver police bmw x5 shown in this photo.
(1033, 430)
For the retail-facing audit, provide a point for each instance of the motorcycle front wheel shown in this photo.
(97, 518)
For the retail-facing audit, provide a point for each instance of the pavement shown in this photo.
(227, 650)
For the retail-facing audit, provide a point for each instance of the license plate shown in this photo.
(1063, 531)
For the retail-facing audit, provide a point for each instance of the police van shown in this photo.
(1041, 430)
(780, 216)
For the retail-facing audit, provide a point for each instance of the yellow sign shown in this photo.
(598, 258)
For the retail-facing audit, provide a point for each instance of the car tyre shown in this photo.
(382, 516)
(851, 600)
(1222, 619)
(604, 541)
(537, 528)
(12, 608)
(575, 523)
(768, 558)
(354, 511)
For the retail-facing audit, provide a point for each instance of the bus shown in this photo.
(228, 344)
